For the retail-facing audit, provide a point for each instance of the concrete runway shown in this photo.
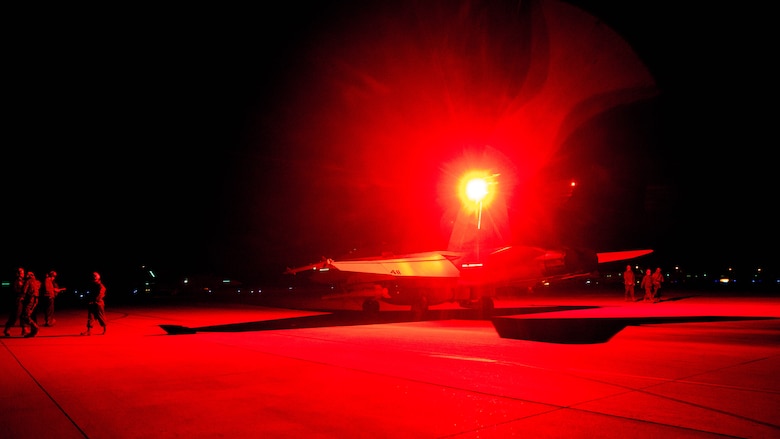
(695, 365)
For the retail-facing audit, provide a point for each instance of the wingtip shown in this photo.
(622, 255)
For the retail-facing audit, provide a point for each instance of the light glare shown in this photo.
(476, 189)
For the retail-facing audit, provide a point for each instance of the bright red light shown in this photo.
(476, 189)
(429, 79)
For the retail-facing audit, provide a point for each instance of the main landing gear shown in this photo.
(371, 306)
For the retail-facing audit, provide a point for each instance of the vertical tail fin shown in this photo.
(490, 231)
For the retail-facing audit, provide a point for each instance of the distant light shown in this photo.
(724, 280)
(573, 183)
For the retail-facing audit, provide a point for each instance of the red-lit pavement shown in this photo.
(691, 366)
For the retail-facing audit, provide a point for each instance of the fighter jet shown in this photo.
(435, 277)
(468, 273)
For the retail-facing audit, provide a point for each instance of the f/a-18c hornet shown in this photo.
(468, 273)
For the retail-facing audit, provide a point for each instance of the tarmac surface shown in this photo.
(579, 364)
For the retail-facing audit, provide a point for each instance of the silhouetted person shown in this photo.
(15, 313)
(658, 279)
(96, 308)
(647, 285)
(32, 289)
(49, 291)
(629, 280)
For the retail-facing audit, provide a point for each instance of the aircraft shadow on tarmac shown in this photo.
(356, 318)
(508, 322)
(589, 330)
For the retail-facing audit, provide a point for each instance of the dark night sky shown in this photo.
(244, 141)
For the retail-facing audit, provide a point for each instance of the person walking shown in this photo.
(50, 290)
(15, 313)
(647, 285)
(658, 279)
(96, 308)
(32, 288)
(629, 281)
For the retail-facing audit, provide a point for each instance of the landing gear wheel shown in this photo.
(371, 306)
(487, 307)
(419, 308)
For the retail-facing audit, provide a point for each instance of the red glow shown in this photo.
(464, 215)
(389, 99)
(476, 189)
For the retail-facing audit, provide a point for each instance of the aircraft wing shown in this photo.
(446, 264)
(428, 264)
(621, 255)
(305, 268)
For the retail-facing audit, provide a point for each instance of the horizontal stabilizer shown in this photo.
(622, 255)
